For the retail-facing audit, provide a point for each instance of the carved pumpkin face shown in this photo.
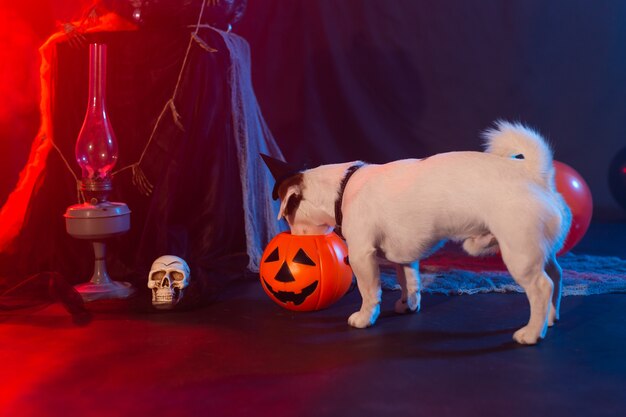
(305, 273)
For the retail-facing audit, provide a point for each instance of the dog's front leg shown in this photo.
(367, 272)
(409, 281)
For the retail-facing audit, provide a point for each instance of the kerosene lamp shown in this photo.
(98, 219)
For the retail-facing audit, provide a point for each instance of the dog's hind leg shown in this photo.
(554, 271)
(528, 272)
(409, 281)
(367, 272)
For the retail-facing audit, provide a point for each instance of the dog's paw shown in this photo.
(553, 316)
(410, 305)
(526, 336)
(362, 319)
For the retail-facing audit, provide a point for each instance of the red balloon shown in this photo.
(576, 194)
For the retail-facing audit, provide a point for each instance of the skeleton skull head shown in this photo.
(168, 278)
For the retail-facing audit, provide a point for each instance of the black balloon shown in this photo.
(617, 177)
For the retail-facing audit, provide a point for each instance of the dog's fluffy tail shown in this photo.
(514, 140)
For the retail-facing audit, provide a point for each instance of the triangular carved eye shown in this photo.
(272, 257)
(302, 258)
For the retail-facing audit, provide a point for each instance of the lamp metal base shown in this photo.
(104, 291)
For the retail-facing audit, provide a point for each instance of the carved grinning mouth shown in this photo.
(286, 296)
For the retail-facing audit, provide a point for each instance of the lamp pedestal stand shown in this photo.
(98, 222)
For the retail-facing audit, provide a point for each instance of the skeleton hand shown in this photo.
(91, 19)
(75, 37)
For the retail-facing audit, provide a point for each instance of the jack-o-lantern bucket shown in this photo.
(305, 273)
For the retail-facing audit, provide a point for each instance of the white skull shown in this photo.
(168, 278)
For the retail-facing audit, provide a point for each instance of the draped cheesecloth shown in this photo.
(253, 137)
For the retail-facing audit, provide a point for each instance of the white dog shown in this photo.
(503, 198)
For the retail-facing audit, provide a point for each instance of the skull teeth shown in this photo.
(165, 295)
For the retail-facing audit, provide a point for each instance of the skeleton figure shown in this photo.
(168, 278)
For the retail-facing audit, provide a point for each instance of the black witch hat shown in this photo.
(280, 170)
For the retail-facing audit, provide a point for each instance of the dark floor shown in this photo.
(245, 356)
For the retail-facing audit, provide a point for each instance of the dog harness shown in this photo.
(339, 201)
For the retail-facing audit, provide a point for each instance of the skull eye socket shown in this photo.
(157, 276)
(302, 258)
(177, 276)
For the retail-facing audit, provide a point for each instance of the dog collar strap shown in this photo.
(344, 182)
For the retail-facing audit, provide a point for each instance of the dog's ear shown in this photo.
(289, 202)
(290, 193)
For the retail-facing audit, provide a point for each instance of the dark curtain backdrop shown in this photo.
(379, 80)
